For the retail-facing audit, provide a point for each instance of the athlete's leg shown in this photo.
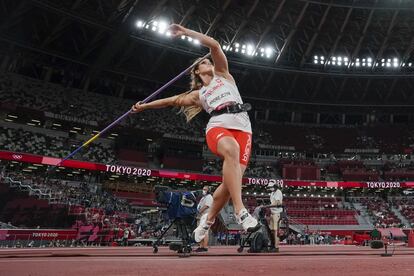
(221, 196)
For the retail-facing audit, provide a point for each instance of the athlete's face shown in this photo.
(205, 66)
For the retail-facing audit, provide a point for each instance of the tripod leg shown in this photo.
(184, 236)
(163, 233)
(246, 240)
(272, 239)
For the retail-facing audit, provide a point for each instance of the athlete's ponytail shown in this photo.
(196, 83)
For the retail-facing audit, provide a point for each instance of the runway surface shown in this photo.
(292, 260)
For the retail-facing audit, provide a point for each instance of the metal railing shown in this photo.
(36, 191)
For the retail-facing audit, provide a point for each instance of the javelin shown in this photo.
(147, 99)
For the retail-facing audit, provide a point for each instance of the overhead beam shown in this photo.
(292, 86)
(114, 44)
(356, 50)
(262, 36)
(244, 22)
(355, 5)
(83, 19)
(93, 44)
(16, 15)
(314, 37)
(183, 22)
(188, 14)
(411, 88)
(361, 39)
(292, 32)
(218, 17)
(391, 90)
(63, 22)
(317, 87)
(341, 89)
(387, 37)
(366, 90)
(89, 21)
(339, 36)
(94, 41)
(269, 26)
(4, 7)
(408, 51)
(155, 10)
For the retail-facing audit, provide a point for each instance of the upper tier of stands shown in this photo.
(18, 92)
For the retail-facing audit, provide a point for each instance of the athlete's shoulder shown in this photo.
(226, 77)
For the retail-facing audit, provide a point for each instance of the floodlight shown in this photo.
(139, 24)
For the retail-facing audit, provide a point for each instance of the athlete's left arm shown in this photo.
(221, 66)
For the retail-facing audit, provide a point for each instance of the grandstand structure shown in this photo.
(331, 83)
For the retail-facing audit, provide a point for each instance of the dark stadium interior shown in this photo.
(332, 89)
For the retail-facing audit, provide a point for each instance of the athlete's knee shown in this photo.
(224, 197)
(229, 149)
(221, 194)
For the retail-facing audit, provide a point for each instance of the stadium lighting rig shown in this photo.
(361, 63)
(248, 49)
(160, 27)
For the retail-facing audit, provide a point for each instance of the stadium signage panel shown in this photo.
(361, 150)
(184, 137)
(37, 234)
(263, 181)
(383, 185)
(276, 147)
(128, 170)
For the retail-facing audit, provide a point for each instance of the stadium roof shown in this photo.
(301, 42)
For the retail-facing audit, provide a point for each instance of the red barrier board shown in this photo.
(37, 234)
(145, 172)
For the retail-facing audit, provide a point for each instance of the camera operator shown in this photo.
(276, 198)
(203, 207)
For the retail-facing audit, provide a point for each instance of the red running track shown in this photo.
(292, 260)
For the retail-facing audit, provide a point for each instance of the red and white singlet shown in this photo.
(219, 92)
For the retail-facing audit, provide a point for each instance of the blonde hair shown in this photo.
(196, 83)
